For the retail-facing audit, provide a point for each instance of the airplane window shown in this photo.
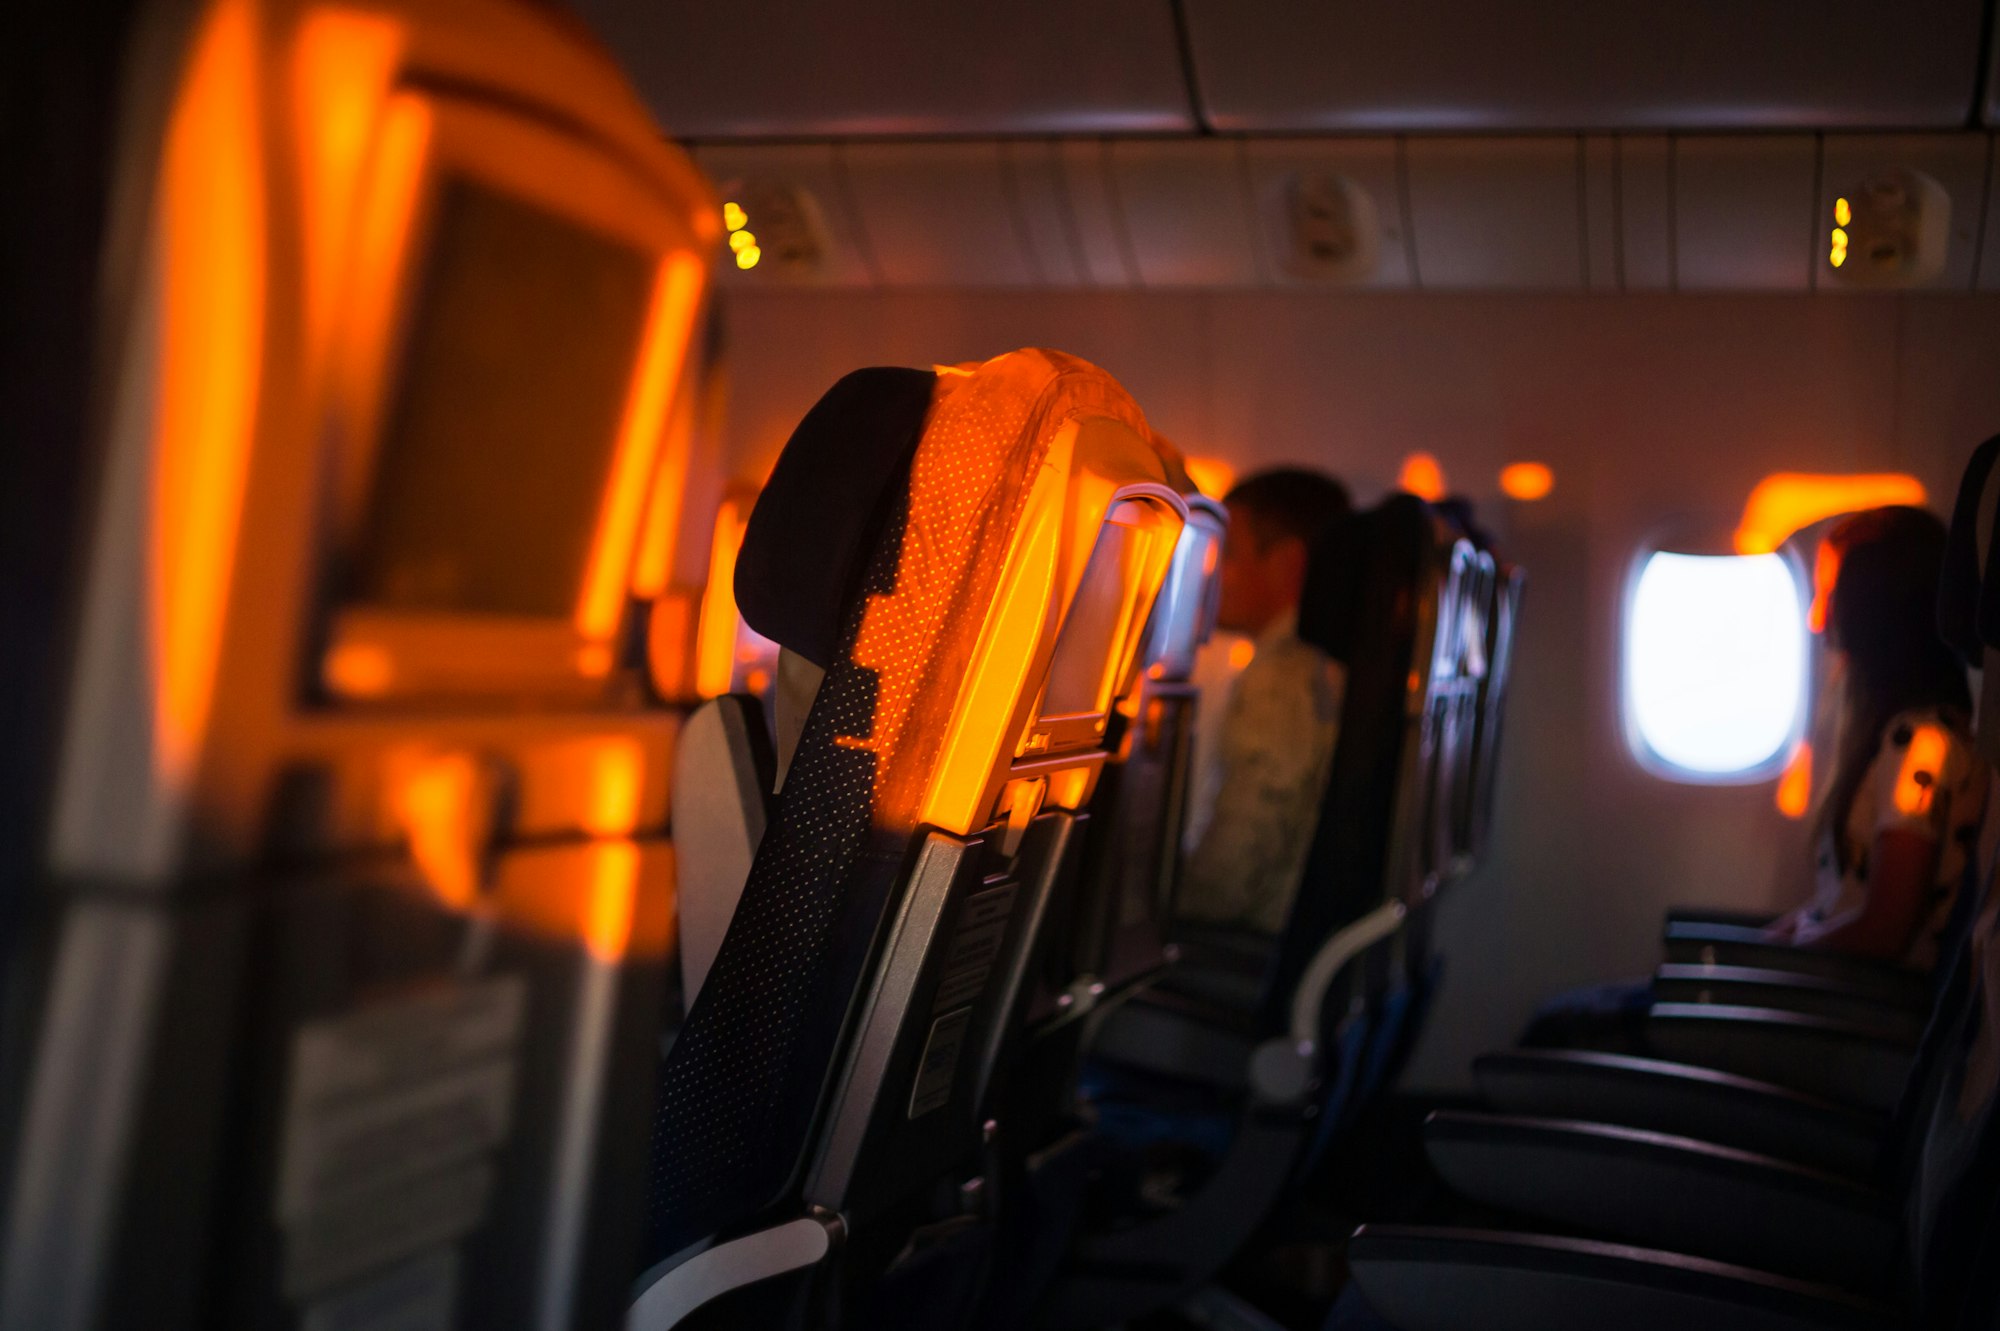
(1715, 664)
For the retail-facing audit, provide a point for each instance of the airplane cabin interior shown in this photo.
(1161, 665)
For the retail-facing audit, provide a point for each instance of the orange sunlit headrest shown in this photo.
(817, 517)
(1787, 501)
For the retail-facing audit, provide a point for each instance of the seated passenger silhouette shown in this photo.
(1283, 713)
(1903, 807)
(1902, 811)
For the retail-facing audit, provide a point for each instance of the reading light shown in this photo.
(1842, 213)
(740, 241)
(1526, 481)
(746, 258)
(733, 216)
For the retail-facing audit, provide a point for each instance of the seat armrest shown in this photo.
(1425, 1279)
(1685, 1101)
(1669, 1192)
(1847, 1062)
(671, 1292)
(1719, 945)
(1789, 991)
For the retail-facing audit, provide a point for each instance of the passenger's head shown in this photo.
(1881, 615)
(1273, 518)
(1881, 624)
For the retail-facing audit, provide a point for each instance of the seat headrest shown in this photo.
(1961, 616)
(815, 520)
(1385, 542)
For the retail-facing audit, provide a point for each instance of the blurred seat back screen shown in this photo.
(493, 465)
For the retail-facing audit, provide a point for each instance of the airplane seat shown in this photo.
(1132, 854)
(348, 837)
(1704, 1168)
(961, 563)
(1258, 1089)
(1107, 934)
(725, 770)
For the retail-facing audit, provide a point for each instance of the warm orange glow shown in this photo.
(211, 212)
(617, 770)
(358, 670)
(617, 773)
(715, 640)
(1785, 501)
(1241, 653)
(1526, 481)
(1826, 572)
(343, 60)
(614, 893)
(1422, 476)
(594, 660)
(669, 325)
(440, 803)
(1212, 476)
(1070, 788)
(1795, 786)
(652, 567)
(1923, 768)
(370, 280)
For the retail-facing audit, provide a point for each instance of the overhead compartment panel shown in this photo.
(1644, 167)
(1743, 213)
(805, 175)
(766, 68)
(939, 215)
(1496, 212)
(1447, 65)
(1954, 163)
(1103, 249)
(1186, 212)
(1372, 194)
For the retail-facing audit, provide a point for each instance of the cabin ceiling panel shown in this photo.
(1497, 212)
(1519, 65)
(1743, 212)
(766, 69)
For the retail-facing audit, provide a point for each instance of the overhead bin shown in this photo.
(798, 206)
(1186, 215)
(767, 69)
(1909, 207)
(1555, 212)
(940, 214)
(1742, 212)
(1496, 212)
(1515, 65)
(1330, 211)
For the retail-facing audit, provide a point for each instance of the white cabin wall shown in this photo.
(1645, 406)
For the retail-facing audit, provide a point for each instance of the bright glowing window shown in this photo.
(1715, 664)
